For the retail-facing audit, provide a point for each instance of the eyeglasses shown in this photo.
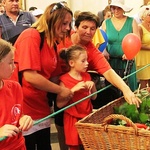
(57, 6)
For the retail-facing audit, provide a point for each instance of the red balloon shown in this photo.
(131, 45)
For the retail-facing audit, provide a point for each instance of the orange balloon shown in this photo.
(131, 45)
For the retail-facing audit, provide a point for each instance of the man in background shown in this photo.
(13, 21)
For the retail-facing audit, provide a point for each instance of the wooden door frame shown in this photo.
(22, 4)
(109, 1)
(146, 1)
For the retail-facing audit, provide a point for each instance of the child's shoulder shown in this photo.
(11, 84)
(66, 75)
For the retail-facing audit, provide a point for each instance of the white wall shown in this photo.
(42, 4)
(88, 5)
(84, 5)
(135, 4)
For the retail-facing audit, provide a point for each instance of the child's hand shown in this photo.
(89, 85)
(25, 123)
(8, 130)
(79, 86)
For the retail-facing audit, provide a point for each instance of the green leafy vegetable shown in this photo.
(137, 115)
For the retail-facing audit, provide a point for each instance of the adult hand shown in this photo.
(131, 98)
(65, 93)
(124, 57)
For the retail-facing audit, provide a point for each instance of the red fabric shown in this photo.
(29, 56)
(73, 114)
(10, 107)
(97, 61)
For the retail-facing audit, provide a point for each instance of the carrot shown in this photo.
(140, 125)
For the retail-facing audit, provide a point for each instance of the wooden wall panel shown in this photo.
(146, 1)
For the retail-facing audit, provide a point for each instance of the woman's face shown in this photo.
(7, 66)
(117, 11)
(108, 15)
(86, 31)
(62, 30)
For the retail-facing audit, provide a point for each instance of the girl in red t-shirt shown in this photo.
(12, 120)
(79, 81)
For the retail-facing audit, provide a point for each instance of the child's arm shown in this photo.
(8, 130)
(92, 88)
(61, 102)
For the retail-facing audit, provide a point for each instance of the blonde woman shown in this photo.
(37, 67)
(142, 57)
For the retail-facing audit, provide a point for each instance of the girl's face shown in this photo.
(86, 31)
(65, 27)
(80, 64)
(7, 66)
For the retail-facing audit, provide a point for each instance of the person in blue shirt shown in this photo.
(13, 21)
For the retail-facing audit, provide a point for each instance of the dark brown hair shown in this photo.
(86, 16)
(71, 53)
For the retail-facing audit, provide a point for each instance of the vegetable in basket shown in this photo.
(140, 116)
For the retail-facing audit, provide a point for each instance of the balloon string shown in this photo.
(81, 100)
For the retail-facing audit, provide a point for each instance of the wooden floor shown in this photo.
(54, 139)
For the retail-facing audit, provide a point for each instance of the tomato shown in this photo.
(140, 125)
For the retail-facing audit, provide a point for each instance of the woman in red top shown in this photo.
(12, 119)
(37, 67)
(85, 26)
(79, 81)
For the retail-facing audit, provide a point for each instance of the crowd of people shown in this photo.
(50, 58)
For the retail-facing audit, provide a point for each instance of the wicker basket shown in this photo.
(97, 134)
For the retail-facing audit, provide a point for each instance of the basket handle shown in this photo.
(107, 120)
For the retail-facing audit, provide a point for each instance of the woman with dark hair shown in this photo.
(85, 26)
